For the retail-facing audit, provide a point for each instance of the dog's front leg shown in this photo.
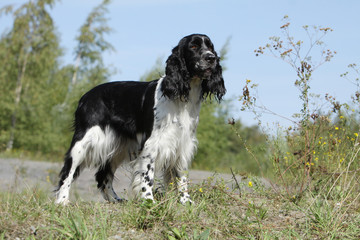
(182, 185)
(143, 176)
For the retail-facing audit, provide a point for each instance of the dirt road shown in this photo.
(17, 175)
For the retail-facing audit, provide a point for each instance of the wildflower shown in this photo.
(48, 179)
(353, 110)
(316, 159)
(336, 128)
(341, 160)
(352, 139)
(314, 152)
(324, 143)
(356, 134)
(200, 190)
(307, 164)
(285, 158)
(341, 117)
(321, 138)
(312, 164)
(171, 183)
(248, 80)
(250, 184)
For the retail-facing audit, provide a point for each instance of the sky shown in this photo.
(145, 30)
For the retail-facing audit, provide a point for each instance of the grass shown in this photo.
(220, 212)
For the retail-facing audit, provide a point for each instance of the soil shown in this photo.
(17, 175)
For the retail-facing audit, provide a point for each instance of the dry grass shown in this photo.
(220, 212)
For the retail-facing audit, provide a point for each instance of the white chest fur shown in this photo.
(175, 128)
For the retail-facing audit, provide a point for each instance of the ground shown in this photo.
(23, 174)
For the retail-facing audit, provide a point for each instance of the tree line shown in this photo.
(39, 94)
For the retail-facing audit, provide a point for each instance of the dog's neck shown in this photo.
(195, 90)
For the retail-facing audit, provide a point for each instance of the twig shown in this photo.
(237, 183)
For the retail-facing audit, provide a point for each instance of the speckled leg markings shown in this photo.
(182, 183)
(144, 177)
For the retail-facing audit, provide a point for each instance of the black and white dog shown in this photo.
(152, 125)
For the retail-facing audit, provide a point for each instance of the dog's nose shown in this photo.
(210, 57)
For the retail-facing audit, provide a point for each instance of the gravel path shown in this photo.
(17, 175)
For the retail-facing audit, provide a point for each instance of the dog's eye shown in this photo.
(193, 47)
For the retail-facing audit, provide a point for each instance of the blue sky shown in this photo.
(145, 30)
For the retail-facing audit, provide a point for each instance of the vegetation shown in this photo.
(223, 210)
(38, 94)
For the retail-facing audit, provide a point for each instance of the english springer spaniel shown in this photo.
(152, 125)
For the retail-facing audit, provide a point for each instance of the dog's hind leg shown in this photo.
(71, 170)
(104, 178)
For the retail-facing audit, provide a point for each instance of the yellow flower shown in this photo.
(314, 152)
(200, 190)
(316, 159)
(341, 160)
(324, 143)
(341, 117)
(356, 134)
(248, 80)
(336, 128)
(312, 164)
(250, 184)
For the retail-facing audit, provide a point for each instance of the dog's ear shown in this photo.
(176, 81)
(215, 84)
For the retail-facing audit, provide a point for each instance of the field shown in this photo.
(248, 208)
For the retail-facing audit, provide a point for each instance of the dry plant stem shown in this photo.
(268, 111)
(282, 179)
(254, 157)
(237, 184)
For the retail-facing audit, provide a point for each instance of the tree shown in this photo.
(89, 69)
(38, 96)
(29, 53)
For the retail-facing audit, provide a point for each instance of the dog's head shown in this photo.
(193, 58)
